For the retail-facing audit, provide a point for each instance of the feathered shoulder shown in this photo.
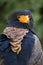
(4, 42)
(37, 53)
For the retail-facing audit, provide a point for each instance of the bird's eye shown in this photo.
(23, 18)
(18, 17)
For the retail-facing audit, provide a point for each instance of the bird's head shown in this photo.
(21, 19)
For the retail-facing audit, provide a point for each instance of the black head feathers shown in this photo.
(13, 22)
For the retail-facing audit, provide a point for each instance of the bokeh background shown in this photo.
(36, 7)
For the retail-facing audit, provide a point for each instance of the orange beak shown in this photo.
(24, 18)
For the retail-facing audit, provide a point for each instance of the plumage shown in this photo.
(30, 51)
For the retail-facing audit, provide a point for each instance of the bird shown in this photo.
(19, 45)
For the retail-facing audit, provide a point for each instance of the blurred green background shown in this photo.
(36, 6)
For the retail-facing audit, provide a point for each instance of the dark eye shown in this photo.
(18, 17)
